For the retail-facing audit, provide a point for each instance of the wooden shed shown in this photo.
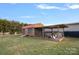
(54, 28)
(32, 29)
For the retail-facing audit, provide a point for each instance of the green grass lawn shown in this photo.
(13, 45)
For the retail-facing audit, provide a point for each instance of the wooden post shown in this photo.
(52, 31)
(33, 31)
(58, 29)
(63, 32)
(42, 32)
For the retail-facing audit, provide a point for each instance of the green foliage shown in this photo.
(10, 26)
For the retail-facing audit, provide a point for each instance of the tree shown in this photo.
(10, 26)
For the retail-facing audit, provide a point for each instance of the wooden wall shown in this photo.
(38, 31)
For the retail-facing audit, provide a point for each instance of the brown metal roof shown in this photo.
(38, 25)
(57, 26)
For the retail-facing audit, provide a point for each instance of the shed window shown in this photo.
(29, 30)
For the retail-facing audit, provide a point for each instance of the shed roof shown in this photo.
(38, 25)
(57, 26)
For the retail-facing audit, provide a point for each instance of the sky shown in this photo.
(45, 13)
